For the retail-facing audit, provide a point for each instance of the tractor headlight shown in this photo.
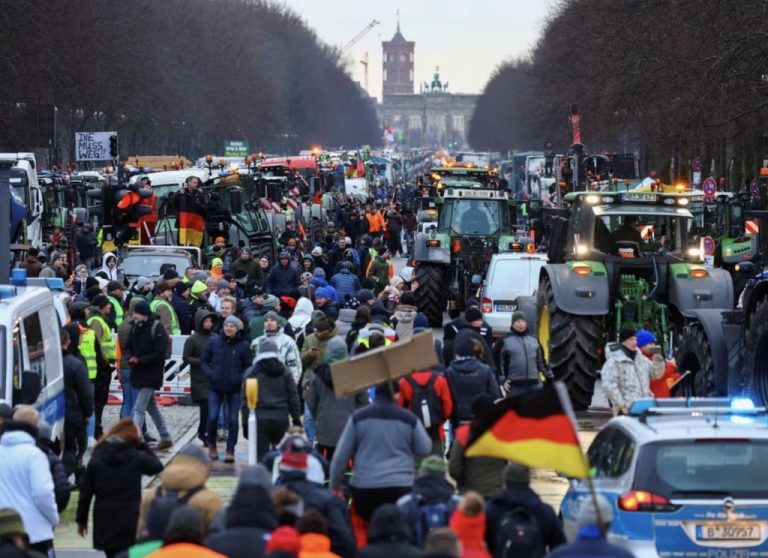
(581, 249)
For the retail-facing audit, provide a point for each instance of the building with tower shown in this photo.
(433, 117)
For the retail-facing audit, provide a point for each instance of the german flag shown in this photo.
(534, 429)
(190, 222)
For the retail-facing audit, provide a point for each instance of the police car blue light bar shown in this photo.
(678, 406)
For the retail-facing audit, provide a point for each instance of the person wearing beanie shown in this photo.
(270, 303)
(404, 316)
(224, 362)
(145, 349)
(521, 359)
(287, 350)
(518, 494)
(172, 277)
(379, 433)
(162, 307)
(282, 278)
(647, 345)
(468, 378)
(380, 270)
(140, 290)
(432, 496)
(246, 263)
(285, 542)
(217, 268)
(470, 324)
(468, 522)
(483, 475)
(324, 302)
(389, 534)
(180, 303)
(345, 282)
(329, 413)
(278, 397)
(200, 386)
(313, 355)
(15, 540)
(627, 374)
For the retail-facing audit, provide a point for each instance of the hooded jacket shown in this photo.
(484, 475)
(250, 518)
(282, 279)
(389, 534)
(468, 378)
(405, 314)
(627, 379)
(251, 267)
(345, 283)
(181, 307)
(318, 339)
(193, 350)
(302, 314)
(471, 533)
(286, 349)
(315, 545)
(26, 484)
(78, 391)
(182, 474)
(521, 358)
(330, 414)
(427, 490)
(224, 362)
(278, 396)
(112, 274)
(113, 478)
(147, 342)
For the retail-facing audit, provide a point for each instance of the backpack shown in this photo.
(168, 345)
(426, 404)
(429, 517)
(162, 507)
(519, 534)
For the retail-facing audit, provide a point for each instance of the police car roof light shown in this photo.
(7, 291)
(55, 283)
(742, 404)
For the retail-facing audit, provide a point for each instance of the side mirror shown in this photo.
(746, 268)
(31, 386)
(236, 197)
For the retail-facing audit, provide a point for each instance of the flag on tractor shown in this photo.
(191, 222)
(535, 429)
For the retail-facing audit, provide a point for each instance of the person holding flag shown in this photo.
(191, 215)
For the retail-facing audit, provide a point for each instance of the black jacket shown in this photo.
(113, 478)
(282, 280)
(427, 490)
(250, 519)
(334, 510)
(148, 343)
(278, 395)
(389, 535)
(467, 379)
(78, 392)
(224, 361)
(61, 486)
(181, 307)
(456, 331)
(521, 496)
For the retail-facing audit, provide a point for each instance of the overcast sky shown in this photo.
(467, 39)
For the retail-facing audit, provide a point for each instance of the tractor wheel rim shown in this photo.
(544, 331)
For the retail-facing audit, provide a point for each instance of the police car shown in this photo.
(684, 477)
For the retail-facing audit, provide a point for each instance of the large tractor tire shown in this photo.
(695, 355)
(431, 296)
(755, 369)
(572, 346)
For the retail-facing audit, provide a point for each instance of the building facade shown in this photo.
(434, 117)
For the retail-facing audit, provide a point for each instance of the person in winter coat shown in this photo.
(249, 265)
(430, 489)
(113, 479)
(377, 434)
(188, 470)
(256, 324)
(627, 374)
(109, 267)
(56, 267)
(405, 314)
(325, 303)
(331, 414)
(646, 344)
(518, 494)
(468, 378)
(85, 244)
(307, 264)
(301, 321)
(180, 303)
(421, 380)
(224, 361)
(78, 404)
(346, 284)
(31, 263)
(315, 542)
(278, 397)
(286, 346)
(282, 278)
(520, 358)
(145, 354)
(471, 320)
(61, 486)
(468, 522)
(380, 270)
(249, 519)
(194, 347)
(26, 484)
(389, 534)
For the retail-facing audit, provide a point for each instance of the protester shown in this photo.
(427, 394)
(627, 374)
(282, 278)
(442, 543)
(315, 542)
(468, 378)
(521, 360)
(285, 542)
(78, 405)
(468, 522)
(61, 487)
(14, 541)
(200, 386)
(287, 351)
(389, 535)
(660, 387)
(184, 536)
(113, 479)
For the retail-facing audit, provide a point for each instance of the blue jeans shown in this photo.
(145, 402)
(519, 390)
(309, 425)
(129, 394)
(215, 401)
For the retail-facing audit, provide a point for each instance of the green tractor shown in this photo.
(475, 220)
(618, 260)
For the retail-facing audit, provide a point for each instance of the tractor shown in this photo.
(475, 219)
(618, 260)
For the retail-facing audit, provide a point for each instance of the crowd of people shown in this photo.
(377, 473)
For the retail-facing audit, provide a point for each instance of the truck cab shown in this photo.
(26, 199)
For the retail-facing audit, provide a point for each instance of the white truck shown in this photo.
(26, 187)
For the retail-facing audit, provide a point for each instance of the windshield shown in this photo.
(628, 235)
(717, 467)
(149, 264)
(471, 216)
(19, 184)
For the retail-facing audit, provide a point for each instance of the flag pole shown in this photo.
(565, 401)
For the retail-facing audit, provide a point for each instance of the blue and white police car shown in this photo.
(685, 477)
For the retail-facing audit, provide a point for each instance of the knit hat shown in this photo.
(306, 276)
(270, 301)
(216, 262)
(113, 286)
(295, 454)
(645, 337)
(100, 301)
(587, 514)
(77, 310)
(365, 295)
(321, 322)
(267, 349)
(472, 314)
(408, 298)
(322, 292)
(515, 473)
(518, 315)
(319, 272)
(285, 254)
(317, 251)
(256, 475)
(626, 333)
(272, 315)
(92, 293)
(196, 452)
(6, 411)
(235, 321)
(433, 465)
(11, 523)
(288, 301)
(142, 282)
(395, 281)
(200, 276)
(198, 287)
(284, 540)
(336, 350)
(170, 274)
(222, 284)
(56, 256)
(246, 250)
(142, 307)
(420, 322)
(181, 287)
(91, 282)
(466, 349)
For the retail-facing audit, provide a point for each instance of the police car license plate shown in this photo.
(728, 532)
(506, 307)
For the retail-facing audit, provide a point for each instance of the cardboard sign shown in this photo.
(92, 146)
(386, 363)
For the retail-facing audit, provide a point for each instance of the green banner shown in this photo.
(235, 148)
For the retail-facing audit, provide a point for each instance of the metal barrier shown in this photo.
(176, 378)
